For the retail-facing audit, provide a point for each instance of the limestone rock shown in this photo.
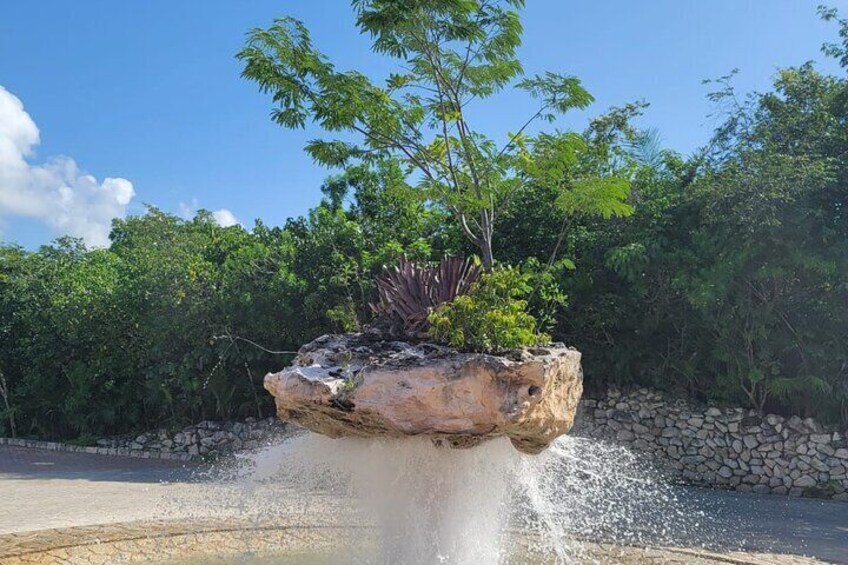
(357, 385)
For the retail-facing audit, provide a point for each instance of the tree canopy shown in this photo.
(449, 56)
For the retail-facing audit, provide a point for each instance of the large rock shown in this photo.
(357, 385)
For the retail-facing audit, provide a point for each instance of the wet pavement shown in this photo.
(50, 489)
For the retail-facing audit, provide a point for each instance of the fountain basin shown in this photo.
(304, 541)
(360, 385)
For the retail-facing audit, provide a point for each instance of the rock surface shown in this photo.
(357, 385)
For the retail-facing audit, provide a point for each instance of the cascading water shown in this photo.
(488, 504)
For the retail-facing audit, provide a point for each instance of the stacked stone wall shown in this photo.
(730, 448)
(206, 439)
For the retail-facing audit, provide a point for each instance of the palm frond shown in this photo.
(646, 148)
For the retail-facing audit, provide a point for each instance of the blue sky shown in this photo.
(149, 91)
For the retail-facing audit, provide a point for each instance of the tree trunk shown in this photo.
(485, 242)
(4, 391)
(486, 253)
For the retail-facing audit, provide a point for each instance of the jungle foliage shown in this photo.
(721, 276)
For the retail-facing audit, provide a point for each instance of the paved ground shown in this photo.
(47, 489)
(778, 524)
(44, 489)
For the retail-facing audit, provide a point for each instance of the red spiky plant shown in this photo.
(409, 292)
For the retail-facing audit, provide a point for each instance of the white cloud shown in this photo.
(189, 209)
(55, 192)
(225, 218)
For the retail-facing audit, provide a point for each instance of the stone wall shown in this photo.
(727, 448)
(206, 439)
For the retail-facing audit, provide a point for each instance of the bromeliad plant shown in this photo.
(409, 292)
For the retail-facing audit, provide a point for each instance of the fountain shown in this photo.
(314, 500)
(454, 457)
(423, 455)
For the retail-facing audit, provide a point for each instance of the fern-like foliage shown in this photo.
(785, 387)
(600, 196)
(491, 318)
(409, 292)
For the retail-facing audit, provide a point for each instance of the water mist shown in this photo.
(489, 504)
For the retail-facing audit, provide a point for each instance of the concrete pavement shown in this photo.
(46, 489)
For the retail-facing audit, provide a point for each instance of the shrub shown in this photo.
(492, 317)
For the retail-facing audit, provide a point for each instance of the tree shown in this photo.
(450, 54)
(774, 231)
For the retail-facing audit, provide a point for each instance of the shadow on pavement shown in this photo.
(27, 463)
